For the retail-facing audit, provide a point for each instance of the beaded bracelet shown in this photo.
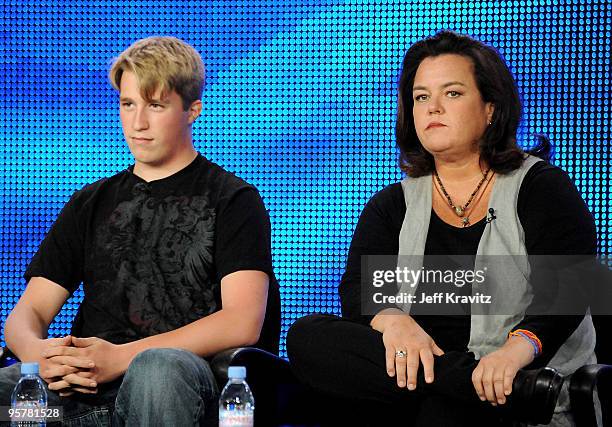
(531, 337)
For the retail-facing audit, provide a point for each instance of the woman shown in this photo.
(470, 191)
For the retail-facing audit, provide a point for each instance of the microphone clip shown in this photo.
(491, 215)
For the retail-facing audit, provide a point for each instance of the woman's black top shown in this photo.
(554, 218)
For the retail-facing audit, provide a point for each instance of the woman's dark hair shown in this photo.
(498, 146)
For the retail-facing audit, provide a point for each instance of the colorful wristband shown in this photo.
(531, 337)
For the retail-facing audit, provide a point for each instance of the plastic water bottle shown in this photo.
(236, 404)
(29, 398)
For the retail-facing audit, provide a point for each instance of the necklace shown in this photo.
(461, 210)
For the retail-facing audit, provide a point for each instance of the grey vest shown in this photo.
(502, 236)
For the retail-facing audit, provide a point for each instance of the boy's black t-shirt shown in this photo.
(151, 255)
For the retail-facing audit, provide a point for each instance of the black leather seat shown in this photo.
(587, 384)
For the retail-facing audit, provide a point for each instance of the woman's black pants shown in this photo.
(344, 362)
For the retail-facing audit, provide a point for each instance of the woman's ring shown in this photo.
(400, 353)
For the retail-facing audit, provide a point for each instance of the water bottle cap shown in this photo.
(29, 368)
(238, 372)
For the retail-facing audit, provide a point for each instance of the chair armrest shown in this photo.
(582, 385)
(260, 364)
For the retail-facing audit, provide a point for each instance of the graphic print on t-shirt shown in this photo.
(159, 254)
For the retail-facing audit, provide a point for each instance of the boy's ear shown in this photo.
(195, 109)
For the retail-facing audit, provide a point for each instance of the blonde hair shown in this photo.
(164, 63)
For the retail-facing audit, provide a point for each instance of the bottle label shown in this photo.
(235, 418)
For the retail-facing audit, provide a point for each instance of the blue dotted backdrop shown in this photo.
(299, 100)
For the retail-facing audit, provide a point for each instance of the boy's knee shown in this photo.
(168, 368)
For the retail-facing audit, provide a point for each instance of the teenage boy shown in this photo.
(174, 257)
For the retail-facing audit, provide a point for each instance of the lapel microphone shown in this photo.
(491, 216)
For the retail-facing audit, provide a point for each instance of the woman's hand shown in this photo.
(495, 372)
(402, 334)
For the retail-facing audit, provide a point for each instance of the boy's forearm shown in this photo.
(27, 325)
(209, 335)
(24, 334)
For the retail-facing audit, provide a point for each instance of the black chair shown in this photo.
(594, 381)
(7, 358)
(280, 399)
(585, 381)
